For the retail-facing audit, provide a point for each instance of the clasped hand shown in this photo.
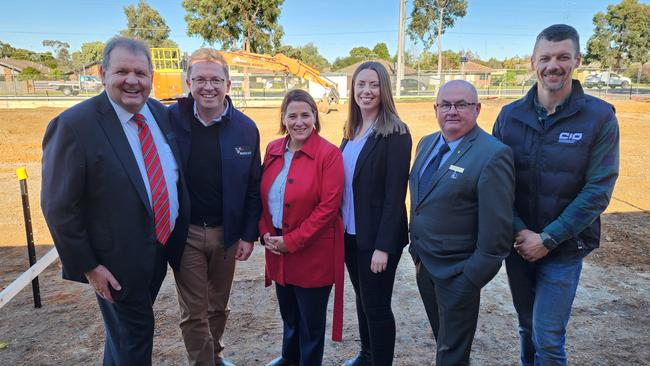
(529, 245)
(274, 244)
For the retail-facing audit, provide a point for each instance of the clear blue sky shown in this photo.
(491, 28)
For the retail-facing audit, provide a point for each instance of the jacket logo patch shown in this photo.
(569, 137)
(243, 150)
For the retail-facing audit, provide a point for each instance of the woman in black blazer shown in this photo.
(376, 155)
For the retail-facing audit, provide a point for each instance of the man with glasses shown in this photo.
(462, 191)
(566, 145)
(221, 159)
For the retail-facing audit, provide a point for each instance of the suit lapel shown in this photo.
(115, 133)
(422, 156)
(370, 144)
(420, 159)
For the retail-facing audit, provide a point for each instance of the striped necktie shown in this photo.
(157, 184)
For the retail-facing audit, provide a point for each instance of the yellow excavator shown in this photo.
(167, 73)
(168, 79)
(287, 65)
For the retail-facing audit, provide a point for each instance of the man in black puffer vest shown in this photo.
(566, 149)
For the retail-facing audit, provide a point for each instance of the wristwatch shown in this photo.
(548, 241)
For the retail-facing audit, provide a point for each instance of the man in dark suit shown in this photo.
(114, 199)
(462, 191)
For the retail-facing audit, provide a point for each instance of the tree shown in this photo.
(430, 19)
(61, 50)
(90, 52)
(621, 36)
(6, 50)
(146, 23)
(251, 24)
(307, 54)
(381, 51)
(29, 73)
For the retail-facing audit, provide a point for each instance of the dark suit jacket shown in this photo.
(379, 186)
(464, 223)
(95, 201)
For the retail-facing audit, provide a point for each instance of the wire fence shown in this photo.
(490, 83)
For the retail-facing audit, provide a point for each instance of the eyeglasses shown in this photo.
(203, 82)
(460, 106)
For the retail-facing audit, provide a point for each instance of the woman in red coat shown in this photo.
(302, 230)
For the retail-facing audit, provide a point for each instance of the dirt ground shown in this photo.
(609, 325)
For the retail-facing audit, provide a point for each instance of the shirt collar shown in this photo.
(125, 116)
(541, 110)
(215, 120)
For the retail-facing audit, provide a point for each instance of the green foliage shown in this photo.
(5, 50)
(363, 52)
(90, 52)
(146, 23)
(633, 70)
(425, 19)
(47, 59)
(251, 25)
(381, 50)
(307, 54)
(168, 43)
(29, 73)
(450, 59)
(57, 74)
(621, 36)
(516, 62)
(492, 63)
(61, 50)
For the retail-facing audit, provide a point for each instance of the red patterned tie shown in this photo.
(157, 184)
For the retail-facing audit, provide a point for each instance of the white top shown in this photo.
(167, 161)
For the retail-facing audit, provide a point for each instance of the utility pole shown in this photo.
(400, 49)
(441, 4)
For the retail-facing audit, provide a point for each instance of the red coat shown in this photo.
(312, 225)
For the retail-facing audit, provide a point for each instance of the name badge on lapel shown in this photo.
(243, 151)
(455, 171)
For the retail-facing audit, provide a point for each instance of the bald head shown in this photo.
(453, 86)
(457, 109)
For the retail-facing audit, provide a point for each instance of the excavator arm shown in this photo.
(282, 63)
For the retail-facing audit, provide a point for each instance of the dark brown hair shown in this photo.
(298, 95)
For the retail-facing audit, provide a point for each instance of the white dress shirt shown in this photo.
(167, 161)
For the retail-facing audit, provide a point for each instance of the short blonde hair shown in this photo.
(210, 55)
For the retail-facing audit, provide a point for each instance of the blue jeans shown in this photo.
(543, 293)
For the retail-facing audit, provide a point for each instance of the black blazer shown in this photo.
(379, 185)
(95, 201)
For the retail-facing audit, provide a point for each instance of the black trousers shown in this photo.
(373, 297)
(452, 307)
(129, 323)
(304, 314)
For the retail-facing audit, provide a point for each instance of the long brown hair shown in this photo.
(388, 120)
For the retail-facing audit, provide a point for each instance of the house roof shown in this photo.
(19, 65)
(475, 67)
(349, 70)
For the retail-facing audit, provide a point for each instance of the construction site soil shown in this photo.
(609, 323)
